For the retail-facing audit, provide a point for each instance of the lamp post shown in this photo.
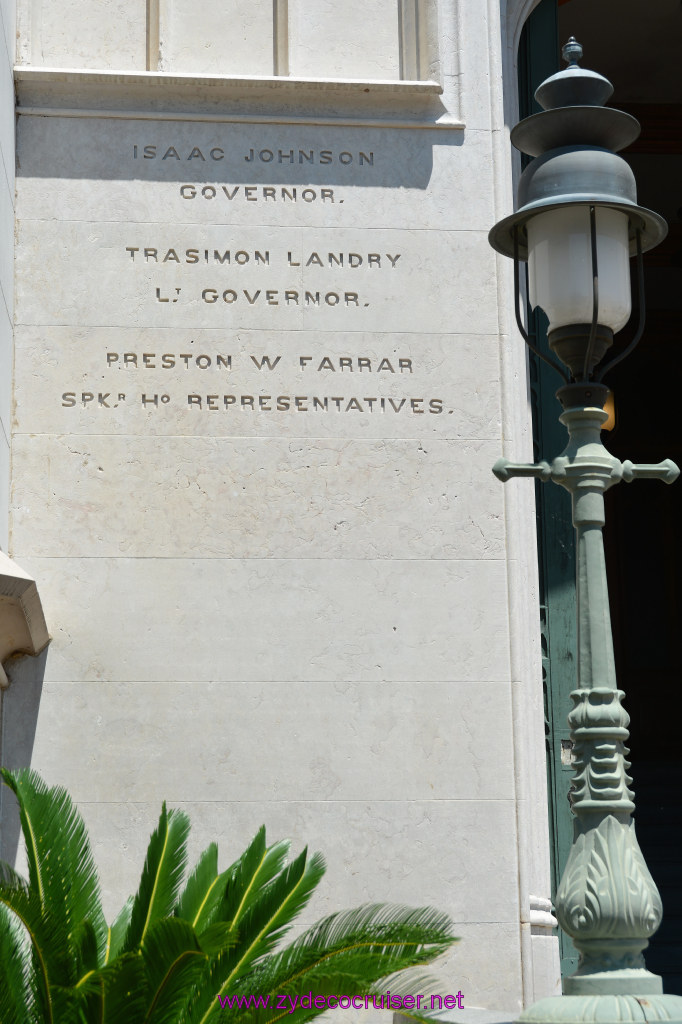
(577, 226)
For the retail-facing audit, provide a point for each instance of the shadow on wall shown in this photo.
(20, 703)
(227, 155)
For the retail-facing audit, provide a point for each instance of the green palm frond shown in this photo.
(9, 876)
(84, 942)
(278, 904)
(116, 932)
(61, 867)
(218, 937)
(14, 972)
(250, 875)
(161, 876)
(350, 952)
(175, 966)
(269, 916)
(378, 932)
(170, 959)
(52, 964)
(201, 890)
(242, 877)
(115, 994)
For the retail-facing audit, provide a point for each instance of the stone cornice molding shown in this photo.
(274, 100)
(22, 623)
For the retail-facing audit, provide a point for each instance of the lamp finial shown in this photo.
(572, 52)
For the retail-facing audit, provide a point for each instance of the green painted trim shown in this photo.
(538, 59)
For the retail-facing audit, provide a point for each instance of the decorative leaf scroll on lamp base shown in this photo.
(577, 226)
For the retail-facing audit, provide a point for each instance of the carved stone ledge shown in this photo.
(542, 919)
(22, 623)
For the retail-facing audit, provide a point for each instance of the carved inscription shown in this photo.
(255, 259)
(290, 280)
(226, 363)
(255, 193)
(291, 155)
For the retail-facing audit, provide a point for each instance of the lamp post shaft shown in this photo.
(607, 901)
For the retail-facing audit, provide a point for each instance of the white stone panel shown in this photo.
(417, 179)
(479, 80)
(6, 370)
(99, 274)
(356, 39)
(8, 18)
(7, 163)
(87, 34)
(395, 392)
(106, 496)
(7, 121)
(7, 249)
(495, 987)
(273, 619)
(4, 490)
(221, 37)
(437, 863)
(297, 616)
(331, 741)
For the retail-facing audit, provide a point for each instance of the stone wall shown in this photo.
(7, 36)
(262, 372)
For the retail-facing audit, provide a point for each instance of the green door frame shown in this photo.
(539, 58)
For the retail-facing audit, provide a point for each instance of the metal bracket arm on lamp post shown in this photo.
(667, 470)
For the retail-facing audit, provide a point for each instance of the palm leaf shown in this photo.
(378, 933)
(84, 943)
(200, 888)
(161, 876)
(204, 896)
(242, 877)
(52, 962)
(14, 972)
(277, 905)
(250, 875)
(61, 867)
(175, 966)
(349, 953)
(211, 897)
(116, 993)
(217, 938)
(116, 932)
(280, 901)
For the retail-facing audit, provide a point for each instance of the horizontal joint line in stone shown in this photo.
(302, 228)
(252, 558)
(326, 122)
(379, 438)
(272, 682)
(177, 802)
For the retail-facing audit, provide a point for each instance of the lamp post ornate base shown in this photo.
(607, 900)
(604, 1009)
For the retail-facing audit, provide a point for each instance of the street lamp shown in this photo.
(577, 226)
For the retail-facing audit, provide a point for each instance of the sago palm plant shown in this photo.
(180, 953)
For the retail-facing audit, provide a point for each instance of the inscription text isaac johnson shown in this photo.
(265, 156)
(216, 284)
